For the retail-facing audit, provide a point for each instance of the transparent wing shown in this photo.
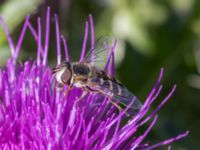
(118, 94)
(101, 52)
(125, 99)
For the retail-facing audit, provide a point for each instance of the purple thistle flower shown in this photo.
(36, 114)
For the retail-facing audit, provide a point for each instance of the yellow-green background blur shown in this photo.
(152, 34)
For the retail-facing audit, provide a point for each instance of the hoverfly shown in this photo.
(90, 76)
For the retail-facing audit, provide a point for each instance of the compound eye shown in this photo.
(66, 76)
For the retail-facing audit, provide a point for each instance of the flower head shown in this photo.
(36, 114)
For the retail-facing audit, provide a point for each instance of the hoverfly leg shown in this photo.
(119, 108)
(68, 90)
(86, 90)
(84, 93)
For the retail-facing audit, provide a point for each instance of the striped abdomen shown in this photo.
(117, 93)
(110, 87)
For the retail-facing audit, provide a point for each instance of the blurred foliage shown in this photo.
(14, 12)
(152, 34)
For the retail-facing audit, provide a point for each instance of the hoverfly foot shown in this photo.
(127, 115)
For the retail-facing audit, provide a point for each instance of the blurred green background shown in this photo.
(152, 34)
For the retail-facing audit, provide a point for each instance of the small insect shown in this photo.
(90, 76)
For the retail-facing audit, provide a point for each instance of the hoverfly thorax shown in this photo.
(63, 73)
(90, 75)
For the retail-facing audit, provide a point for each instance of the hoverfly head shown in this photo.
(63, 73)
